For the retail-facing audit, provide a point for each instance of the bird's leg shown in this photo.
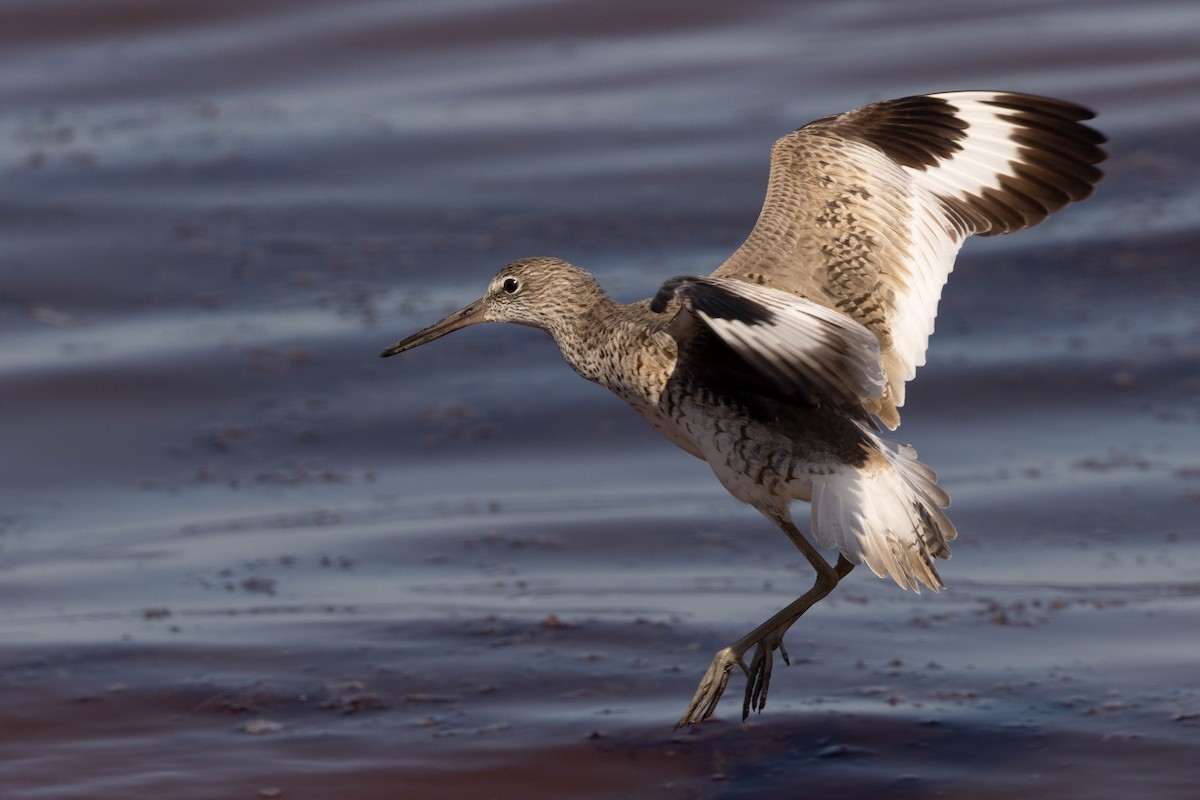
(766, 638)
(758, 675)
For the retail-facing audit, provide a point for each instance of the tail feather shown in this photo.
(888, 517)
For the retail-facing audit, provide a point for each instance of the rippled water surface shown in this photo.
(240, 556)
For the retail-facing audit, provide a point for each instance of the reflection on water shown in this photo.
(225, 524)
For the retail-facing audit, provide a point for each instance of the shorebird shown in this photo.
(779, 366)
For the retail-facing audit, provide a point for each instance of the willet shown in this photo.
(775, 368)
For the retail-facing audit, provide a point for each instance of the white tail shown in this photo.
(886, 515)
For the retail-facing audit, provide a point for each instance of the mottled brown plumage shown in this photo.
(774, 368)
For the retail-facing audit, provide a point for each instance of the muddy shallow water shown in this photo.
(241, 556)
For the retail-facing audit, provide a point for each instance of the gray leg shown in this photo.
(758, 675)
(766, 638)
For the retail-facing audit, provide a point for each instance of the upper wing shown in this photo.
(865, 211)
(802, 348)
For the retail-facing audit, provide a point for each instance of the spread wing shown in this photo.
(865, 211)
(803, 348)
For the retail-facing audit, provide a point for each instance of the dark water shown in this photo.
(240, 556)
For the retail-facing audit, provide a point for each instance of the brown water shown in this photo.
(240, 556)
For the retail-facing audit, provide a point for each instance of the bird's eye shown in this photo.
(511, 285)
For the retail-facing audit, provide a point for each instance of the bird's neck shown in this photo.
(619, 347)
(584, 335)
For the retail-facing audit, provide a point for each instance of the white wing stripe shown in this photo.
(803, 344)
(866, 210)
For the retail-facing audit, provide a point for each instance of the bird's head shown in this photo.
(546, 293)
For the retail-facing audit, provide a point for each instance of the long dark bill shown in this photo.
(459, 319)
